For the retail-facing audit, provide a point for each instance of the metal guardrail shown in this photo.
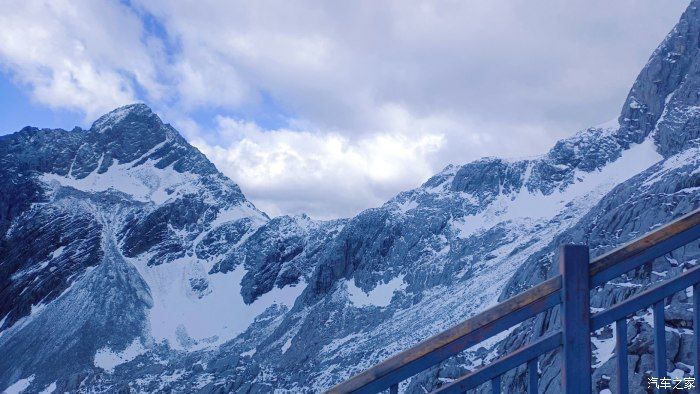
(571, 289)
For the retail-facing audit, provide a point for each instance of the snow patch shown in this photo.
(49, 389)
(183, 319)
(2, 321)
(287, 345)
(589, 186)
(143, 183)
(19, 386)
(236, 213)
(58, 252)
(406, 206)
(604, 348)
(107, 359)
(249, 353)
(379, 296)
(687, 157)
(173, 377)
(112, 118)
(337, 343)
(676, 374)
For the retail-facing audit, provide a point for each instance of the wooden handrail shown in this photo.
(645, 248)
(451, 335)
(649, 296)
(502, 365)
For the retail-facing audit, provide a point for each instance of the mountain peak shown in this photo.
(663, 99)
(137, 112)
(134, 132)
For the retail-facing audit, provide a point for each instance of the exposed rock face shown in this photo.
(662, 106)
(128, 262)
(77, 205)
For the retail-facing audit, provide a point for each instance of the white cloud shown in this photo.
(377, 96)
(80, 55)
(335, 63)
(325, 174)
(332, 175)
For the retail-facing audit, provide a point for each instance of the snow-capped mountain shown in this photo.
(129, 262)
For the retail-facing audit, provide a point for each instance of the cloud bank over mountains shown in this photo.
(332, 108)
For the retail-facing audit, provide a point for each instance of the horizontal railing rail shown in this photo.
(472, 331)
(645, 248)
(572, 289)
(493, 371)
(648, 297)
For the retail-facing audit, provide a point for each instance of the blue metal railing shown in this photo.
(571, 289)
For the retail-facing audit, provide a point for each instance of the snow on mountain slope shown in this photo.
(124, 248)
(143, 183)
(455, 265)
(103, 261)
(661, 106)
(590, 186)
(188, 319)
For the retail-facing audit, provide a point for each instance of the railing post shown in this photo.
(660, 342)
(696, 331)
(496, 385)
(621, 352)
(532, 376)
(575, 319)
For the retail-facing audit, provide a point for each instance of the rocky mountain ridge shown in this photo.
(129, 262)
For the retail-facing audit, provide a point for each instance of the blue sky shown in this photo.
(330, 108)
(18, 110)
